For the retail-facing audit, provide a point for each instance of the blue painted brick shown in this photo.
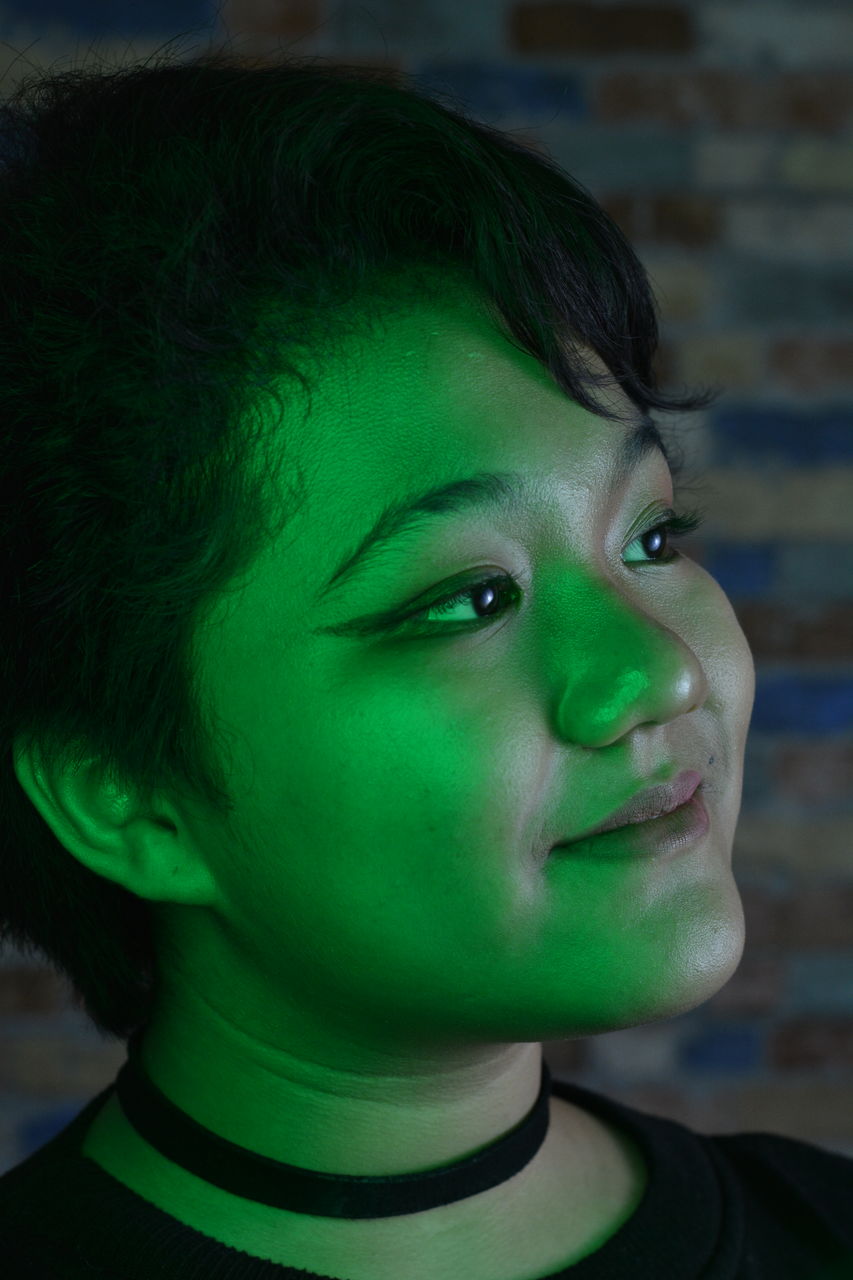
(102, 18)
(781, 434)
(743, 570)
(495, 89)
(721, 1049)
(760, 765)
(814, 571)
(787, 296)
(637, 158)
(803, 704)
(821, 981)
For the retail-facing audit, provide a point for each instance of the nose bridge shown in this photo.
(618, 665)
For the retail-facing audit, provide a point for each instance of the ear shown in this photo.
(149, 851)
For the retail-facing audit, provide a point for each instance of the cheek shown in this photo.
(718, 640)
(363, 798)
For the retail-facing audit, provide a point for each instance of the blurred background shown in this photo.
(718, 136)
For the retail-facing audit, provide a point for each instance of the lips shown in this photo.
(654, 802)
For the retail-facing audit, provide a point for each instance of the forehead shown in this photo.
(433, 389)
(428, 393)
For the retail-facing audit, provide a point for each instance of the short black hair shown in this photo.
(177, 237)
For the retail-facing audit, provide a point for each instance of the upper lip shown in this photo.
(654, 802)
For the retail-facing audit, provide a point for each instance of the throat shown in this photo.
(583, 1184)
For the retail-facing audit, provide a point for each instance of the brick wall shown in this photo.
(719, 137)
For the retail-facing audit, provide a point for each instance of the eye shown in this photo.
(675, 524)
(490, 598)
(488, 593)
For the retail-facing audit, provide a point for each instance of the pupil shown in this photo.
(486, 591)
(657, 536)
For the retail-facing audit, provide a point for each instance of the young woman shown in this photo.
(341, 613)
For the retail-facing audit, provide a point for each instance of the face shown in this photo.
(399, 787)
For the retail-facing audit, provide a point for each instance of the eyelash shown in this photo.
(678, 524)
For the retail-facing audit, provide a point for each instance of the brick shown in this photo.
(764, 915)
(814, 570)
(810, 776)
(816, 102)
(566, 28)
(636, 1053)
(693, 220)
(820, 981)
(743, 570)
(413, 29)
(291, 18)
(784, 433)
(630, 212)
(682, 284)
(779, 632)
(666, 364)
(55, 1066)
(811, 1043)
(723, 98)
(673, 98)
(812, 1110)
(821, 232)
(733, 163)
(814, 164)
(627, 161)
(816, 916)
(755, 35)
(755, 988)
(787, 295)
(736, 360)
(768, 501)
(802, 702)
(499, 88)
(766, 842)
(808, 364)
(722, 1049)
(31, 990)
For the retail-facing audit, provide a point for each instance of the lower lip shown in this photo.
(657, 837)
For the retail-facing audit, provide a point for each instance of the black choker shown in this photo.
(285, 1186)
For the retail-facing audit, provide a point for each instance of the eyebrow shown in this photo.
(476, 492)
